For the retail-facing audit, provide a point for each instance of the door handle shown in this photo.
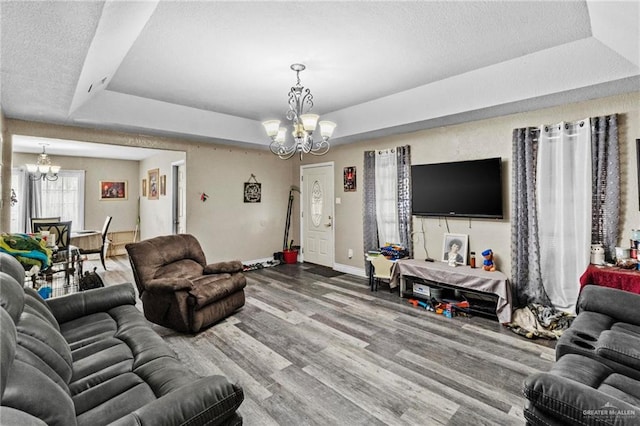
(328, 225)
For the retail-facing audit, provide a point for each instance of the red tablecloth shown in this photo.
(611, 276)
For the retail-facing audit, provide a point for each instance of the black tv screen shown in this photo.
(462, 188)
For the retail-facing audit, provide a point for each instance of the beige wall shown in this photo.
(226, 227)
(479, 139)
(97, 169)
(5, 175)
(229, 228)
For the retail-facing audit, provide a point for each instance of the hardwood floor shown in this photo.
(313, 350)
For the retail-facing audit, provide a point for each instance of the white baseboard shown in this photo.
(347, 269)
(352, 270)
(253, 262)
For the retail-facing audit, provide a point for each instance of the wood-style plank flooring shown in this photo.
(311, 350)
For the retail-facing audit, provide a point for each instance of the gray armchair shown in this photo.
(178, 289)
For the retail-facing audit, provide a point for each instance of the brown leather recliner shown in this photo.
(178, 289)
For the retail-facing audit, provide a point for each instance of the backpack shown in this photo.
(90, 280)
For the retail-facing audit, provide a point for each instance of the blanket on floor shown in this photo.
(535, 320)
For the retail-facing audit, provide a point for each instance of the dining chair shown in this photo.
(381, 270)
(43, 220)
(62, 231)
(101, 250)
(63, 259)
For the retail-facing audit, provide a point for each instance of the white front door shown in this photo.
(317, 213)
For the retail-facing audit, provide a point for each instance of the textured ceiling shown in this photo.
(212, 70)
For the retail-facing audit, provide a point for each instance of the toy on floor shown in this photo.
(425, 305)
(488, 264)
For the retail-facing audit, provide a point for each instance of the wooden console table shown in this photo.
(462, 277)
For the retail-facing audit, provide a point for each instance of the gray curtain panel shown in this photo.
(34, 200)
(370, 225)
(605, 168)
(525, 247)
(405, 222)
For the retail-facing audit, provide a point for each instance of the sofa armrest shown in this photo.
(618, 304)
(76, 305)
(168, 285)
(570, 402)
(223, 267)
(210, 400)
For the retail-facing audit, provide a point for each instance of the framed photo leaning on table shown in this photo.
(455, 245)
(113, 190)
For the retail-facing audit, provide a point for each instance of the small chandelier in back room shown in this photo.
(304, 124)
(43, 169)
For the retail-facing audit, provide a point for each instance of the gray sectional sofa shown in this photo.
(91, 358)
(596, 377)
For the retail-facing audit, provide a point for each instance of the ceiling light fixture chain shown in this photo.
(303, 123)
(43, 169)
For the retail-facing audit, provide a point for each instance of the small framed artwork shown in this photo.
(350, 179)
(454, 246)
(163, 185)
(154, 184)
(252, 190)
(113, 190)
(144, 187)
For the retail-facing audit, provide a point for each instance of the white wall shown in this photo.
(156, 216)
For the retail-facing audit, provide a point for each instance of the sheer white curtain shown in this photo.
(387, 196)
(564, 209)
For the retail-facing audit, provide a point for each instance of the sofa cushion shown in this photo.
(626, 328)
(11, 295)
(98, 395)
(182, 268)
(34, 304)
(31, 391)
(620, 346)
(42, 339)
(7, 347)
(211, 288)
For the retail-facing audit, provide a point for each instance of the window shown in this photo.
(63, 197)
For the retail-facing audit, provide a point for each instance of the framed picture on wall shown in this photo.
(113, 190)
(154, 184)
(144, 187)
(163, 185)
(455, 246)
(349, 179)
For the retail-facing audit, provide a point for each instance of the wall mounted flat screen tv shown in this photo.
(462, 188)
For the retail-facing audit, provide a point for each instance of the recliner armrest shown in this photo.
(168, 285)
(223, 267)
(76, 305)
(209, 400)
(618, 304)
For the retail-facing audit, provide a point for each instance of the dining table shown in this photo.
(86, 240)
